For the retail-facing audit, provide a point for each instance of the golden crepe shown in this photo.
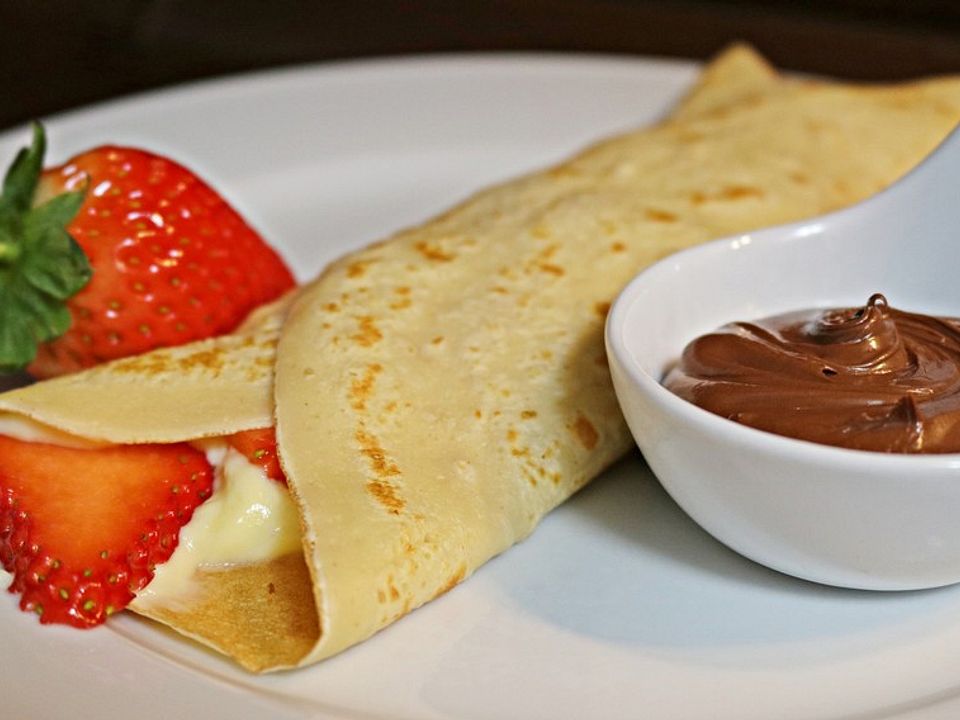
(436, 394)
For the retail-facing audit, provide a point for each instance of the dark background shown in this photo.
(56, 54)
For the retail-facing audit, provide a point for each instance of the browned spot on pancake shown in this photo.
(551, 268)
(381, 465)
(726, 194)
(740, 192)
(601, 309)
(531, 478)
(433, 252)
(500, 290)
(382, 490)
(362, 387)
(541, 263)
(520, 452)
(386, 495)
(403, 290)
(357, 269)
(401, 304)
(477, 414)
(555, 477)
(391, 406)
(659, 215)
(271, 589)
(527, 414)
(452, 581)
(511, 433)
(367, 332)
(437, 340)
(252, 376)
(394, 593)
(152, 364)
(381, 596)
(799, 178)
(586, 433)
(541, 471)
(618, 247)
(210, 360)
(331, 307)
(563, 171)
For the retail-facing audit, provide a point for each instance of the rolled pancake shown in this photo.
(436, 394)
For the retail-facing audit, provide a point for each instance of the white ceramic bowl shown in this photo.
(842, 517)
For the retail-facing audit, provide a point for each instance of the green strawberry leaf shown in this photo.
(20, 182)
(41, 266)
(26, 319)
(53, 262)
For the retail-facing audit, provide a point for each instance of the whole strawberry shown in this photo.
(117, 252)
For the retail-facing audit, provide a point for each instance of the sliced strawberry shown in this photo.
(260, 447)
(82, 529)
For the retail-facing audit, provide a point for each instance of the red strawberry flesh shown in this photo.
(259, 446)
(81, 530)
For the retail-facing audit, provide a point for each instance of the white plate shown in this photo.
(618, 606)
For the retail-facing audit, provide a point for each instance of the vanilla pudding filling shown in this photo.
(248, 518)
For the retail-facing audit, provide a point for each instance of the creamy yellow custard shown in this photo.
(248, 518)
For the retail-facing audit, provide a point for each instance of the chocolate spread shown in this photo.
(869, 378)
